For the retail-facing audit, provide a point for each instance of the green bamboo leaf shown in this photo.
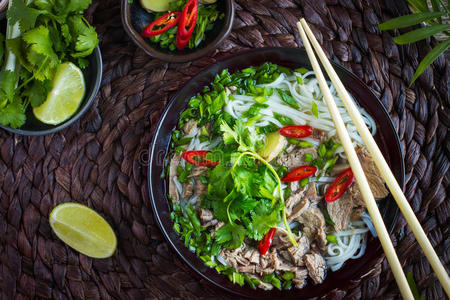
(429, 58)
(436, 8)
(409, 20)
(420, 34)
(419, 5)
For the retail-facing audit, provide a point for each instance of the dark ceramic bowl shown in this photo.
(386, 139)
(135, 19)
(92, 77)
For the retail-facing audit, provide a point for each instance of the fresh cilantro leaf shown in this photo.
(84, 36)
(78, 6)
(231, 235)
(7, 85)
(19, 12)
(261, 222)
(39, 41)
(287, 97)
(37, 92)
(229, 136)
(13, 115)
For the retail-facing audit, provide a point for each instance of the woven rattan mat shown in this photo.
(101, 160)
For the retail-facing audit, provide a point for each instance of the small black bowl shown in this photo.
(92, 77)
(386, 138)
(135, 19)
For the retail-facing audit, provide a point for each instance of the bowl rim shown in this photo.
(152, 154)
(177, 58)
(91, 97)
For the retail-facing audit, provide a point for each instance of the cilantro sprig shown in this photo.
(240, 135)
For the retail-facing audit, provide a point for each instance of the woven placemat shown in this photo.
(101, 160)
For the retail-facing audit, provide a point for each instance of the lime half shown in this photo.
(83, 229)
(67, 92)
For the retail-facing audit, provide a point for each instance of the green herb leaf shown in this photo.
(413, 286)
(419, 5)
(283, 119)
(19, 12)
(332, 238)
(230, 235)
(287, 97)
(429, 58)
(315, 110)
(409, 20)
(302, 70)
(420, 34)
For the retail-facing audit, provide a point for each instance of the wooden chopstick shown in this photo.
(382, 165)
(358, 172)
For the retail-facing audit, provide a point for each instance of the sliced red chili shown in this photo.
(264, 244)
(340, 184)
(198, 158)
(296, 131)
(187, 23)
(299, 173)
(167, 21)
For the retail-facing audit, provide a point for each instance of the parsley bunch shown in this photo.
(40, 35)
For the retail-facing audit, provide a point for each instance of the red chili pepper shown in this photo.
(198, 158)
(339, 185)
(296, 131)
(264, 244)
(168, 21)
(187, 23)
(299, 173)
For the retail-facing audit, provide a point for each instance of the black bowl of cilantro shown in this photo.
(38, 44)
(214, 23)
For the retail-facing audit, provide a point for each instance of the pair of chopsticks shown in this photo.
(381, 164)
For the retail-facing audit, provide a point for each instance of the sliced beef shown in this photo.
(338, 169)
(189, 127)
(319, 134)
(374, 178)
(297, 252)
(246, 269)
(356, 214)
(232, 257)
(173, 192)
(295, 158)
(340, 211)
(198, 171)
(207, 217)
(286, 266)
(200, 189)
(219, 225)
(188, 190)
(300, 277)
(251, 254)
(316, 266)
(314, 226)
(300, 200)
(294, 186)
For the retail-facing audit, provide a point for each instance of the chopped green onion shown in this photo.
(332, 238)
(315, 110)
(302, 70)
(288, 276)
(260, 99)
(304, 182)
(299, 80)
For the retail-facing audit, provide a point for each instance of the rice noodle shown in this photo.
(304, 94)
(351, 244)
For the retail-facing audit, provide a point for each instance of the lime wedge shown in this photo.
(83, 229)
(67, 92)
